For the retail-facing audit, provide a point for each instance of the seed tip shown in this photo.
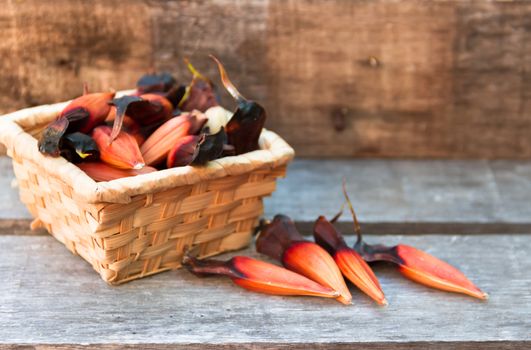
(344, 300)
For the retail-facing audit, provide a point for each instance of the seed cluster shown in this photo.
(327, 261)
(161, 125)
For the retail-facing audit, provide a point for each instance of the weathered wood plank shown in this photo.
(44, 282)
(50, 48)
(418, 194)
(89, 44)
(391, 196)
(449, 79)
(402, 78)
(274, 346)
(21, 227)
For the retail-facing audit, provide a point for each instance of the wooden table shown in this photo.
(474, 214)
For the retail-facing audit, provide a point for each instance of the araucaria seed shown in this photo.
(280, 240)
(259, 276)
(122, 153)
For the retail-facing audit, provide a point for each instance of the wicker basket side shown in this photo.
(134, 227)
(150, 234)
(124, 242)
(52, 204)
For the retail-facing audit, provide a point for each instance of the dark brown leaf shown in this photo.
(245, 126)
(135, 107)
(212, 147)
(77, 147)
(50, 139)
(161, 82)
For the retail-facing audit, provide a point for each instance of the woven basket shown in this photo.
(138, 226)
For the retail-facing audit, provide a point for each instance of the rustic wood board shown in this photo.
(52, 297)
(89, 44)
(410, 195)
(401, 78)
(391, 196)
(288, 346)
(407, 78)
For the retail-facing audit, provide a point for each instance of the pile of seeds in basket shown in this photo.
(161, 125)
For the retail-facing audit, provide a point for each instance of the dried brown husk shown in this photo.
(245, 126)
(211, 148)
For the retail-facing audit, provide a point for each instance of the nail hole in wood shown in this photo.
(339, 117)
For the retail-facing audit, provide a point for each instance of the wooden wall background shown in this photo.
(404, 78)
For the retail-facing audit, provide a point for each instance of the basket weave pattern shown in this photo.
(134, 227)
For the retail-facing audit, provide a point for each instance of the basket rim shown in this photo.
(273, 152)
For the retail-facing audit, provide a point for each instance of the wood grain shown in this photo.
(479, 345)
(44, 282)
(445, 79)
(414, 196)
(55, 46)
(402, 79)
(390, 196)
(52, 47)
(375, 75)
